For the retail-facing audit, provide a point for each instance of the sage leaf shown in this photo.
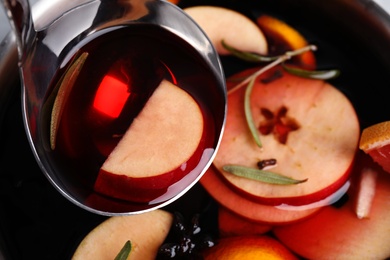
(248, 56)
(261, 175)
(125, 251)
(248, 113)
(312, 74)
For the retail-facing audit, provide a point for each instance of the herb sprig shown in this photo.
(261, 175)
(125, 251)
(280, 59)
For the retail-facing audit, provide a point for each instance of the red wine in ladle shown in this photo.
(121, 70)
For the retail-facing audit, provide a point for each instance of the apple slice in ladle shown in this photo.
(162, 138)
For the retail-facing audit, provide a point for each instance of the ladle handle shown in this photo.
(20, 18)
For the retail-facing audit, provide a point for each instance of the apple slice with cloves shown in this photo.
(308, 128)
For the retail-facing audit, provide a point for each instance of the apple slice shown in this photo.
(232, 224)
(216, 186)
(234, 28)
(146, 232)
(153, 153)
(307, 125)
(337, 233)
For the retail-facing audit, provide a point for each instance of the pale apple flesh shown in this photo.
(146, 232)
(234, 28)
(321, 148)
(161, 139)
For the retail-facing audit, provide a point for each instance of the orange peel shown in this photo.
(375, 141)
(287, 38)
(249, 247)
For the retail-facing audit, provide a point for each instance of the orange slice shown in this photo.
(175, 2)
(286, 38)
(249, 247)
(375, 141)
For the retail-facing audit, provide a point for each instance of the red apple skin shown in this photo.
(232, 224)
(135, 189)
(321, 150)
(337, 233)
(296, 200)
(144, 189)
(216, 186)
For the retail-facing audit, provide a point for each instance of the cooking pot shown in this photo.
(37, 222)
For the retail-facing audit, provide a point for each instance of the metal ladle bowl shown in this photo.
(46, 45)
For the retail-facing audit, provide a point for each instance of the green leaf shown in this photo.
(247, 56)
(313, 74)
(248, 113)
(125, 251)
(261, 175)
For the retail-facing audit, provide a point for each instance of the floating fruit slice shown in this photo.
(249, 247)
(337, 233)
(307, 126)
(375, 141)
(174, 1)
(234, 28)
(216, 186)
(366, 192)
(285, 38)
(146, 232)
(232, 224)
(161, 138)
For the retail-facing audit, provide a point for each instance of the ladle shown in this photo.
(112, 32)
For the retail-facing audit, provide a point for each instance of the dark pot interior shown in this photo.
(37, 222)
